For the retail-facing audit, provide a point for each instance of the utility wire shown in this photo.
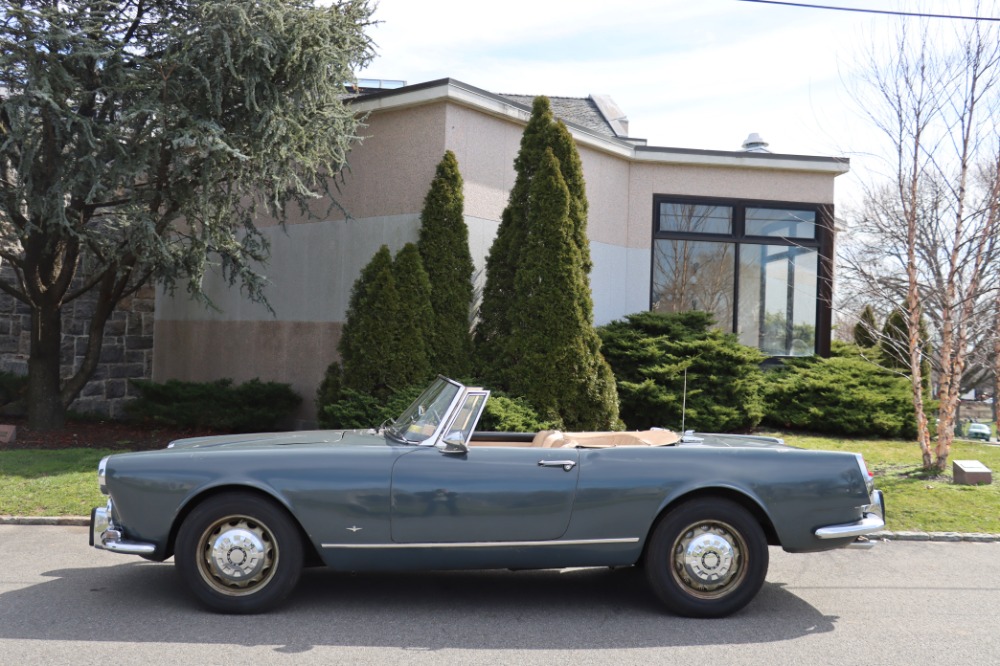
(873, 11)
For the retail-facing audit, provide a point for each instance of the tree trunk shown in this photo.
(45, 406)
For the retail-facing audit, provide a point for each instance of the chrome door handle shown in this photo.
(567, 465)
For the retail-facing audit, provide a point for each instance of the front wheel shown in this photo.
(707, 558)
(239, 553)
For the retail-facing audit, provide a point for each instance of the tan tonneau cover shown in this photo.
(549, 439)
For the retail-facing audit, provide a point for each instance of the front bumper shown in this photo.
(104, 534)
(873, 520)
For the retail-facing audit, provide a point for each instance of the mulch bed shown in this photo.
(97, 435)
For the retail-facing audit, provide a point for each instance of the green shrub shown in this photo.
(330, 389)
(649, 353)
(842, 395)
(250, 407)
(353, 409)
(506, 414)
(12, 388)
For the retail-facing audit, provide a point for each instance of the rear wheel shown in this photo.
(239, 553)
(707, 558)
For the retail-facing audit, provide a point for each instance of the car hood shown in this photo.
(268, 439)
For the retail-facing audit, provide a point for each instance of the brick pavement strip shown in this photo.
(978, 537)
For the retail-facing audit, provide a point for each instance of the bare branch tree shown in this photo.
(928, 238)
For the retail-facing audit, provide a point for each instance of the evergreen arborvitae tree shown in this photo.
(537, 306)
(373, 334)
(894, 343)
(444, 249)
(553, 352)
(865, 335)
(571, 168)
(416, 317)
(505, 253)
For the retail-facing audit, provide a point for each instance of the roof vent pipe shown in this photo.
(755, 144)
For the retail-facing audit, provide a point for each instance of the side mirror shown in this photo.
(454, 444)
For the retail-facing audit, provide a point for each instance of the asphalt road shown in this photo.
(913, 603)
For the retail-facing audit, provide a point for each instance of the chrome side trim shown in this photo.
(483, 544)
(105, 535)
(873, 521)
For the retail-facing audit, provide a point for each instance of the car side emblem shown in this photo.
(355, 528)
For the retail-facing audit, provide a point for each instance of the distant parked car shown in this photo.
(979, 431)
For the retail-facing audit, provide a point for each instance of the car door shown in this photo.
(487, 494)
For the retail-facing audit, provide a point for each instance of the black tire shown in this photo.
(707, 558)
(239, 553)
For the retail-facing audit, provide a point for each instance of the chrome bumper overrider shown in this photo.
(106, 536)
(873, 520)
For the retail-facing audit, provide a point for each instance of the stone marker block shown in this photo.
(971, 473)
(8, 434)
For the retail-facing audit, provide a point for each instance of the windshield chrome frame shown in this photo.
(396, 429)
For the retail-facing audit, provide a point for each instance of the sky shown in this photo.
(687, 73)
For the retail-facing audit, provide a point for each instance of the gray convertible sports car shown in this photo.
(242, 515)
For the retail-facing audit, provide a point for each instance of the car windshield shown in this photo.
(423, 418)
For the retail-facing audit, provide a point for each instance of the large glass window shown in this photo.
(695, 218)
(777, 312)
(755, 266)
(780, 223)
(694, 275)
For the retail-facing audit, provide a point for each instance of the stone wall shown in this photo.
(127, 352)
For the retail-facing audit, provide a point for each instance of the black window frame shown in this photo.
(822, 243)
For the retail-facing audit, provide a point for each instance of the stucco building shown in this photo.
(746, 234)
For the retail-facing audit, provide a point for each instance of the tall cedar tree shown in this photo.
(416, 317)
(373, 334)
(866, 330)
(140, 141)
(444, 248)
(552, 351)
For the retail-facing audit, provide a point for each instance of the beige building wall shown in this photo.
(314, 262)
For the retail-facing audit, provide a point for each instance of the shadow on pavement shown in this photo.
(552, 610)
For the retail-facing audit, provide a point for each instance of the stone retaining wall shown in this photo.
(127, 352)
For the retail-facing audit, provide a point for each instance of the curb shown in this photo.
(74, 521)
(975, 537)
(943, 537)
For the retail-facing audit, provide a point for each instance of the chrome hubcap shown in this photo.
(708, 559)
(238, 556)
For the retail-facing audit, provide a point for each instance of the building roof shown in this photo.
(582, 111)
(594, 121)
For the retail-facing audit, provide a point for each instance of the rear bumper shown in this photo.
(105, 535)
(873, 520)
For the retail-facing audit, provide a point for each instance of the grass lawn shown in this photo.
(914, 500)
(60, 482)
(64, 483)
